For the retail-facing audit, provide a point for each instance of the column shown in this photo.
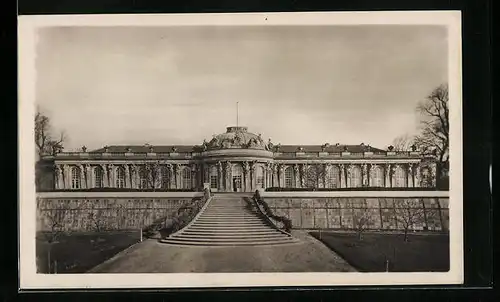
(281, 176)
(59, 183)
(418, 176)
(67, 176)
(343, 183)
(112, 176)
(178, 176)
(268, 175)
(253, 177)
(387, 171)
(193, 176)
(328, 179)
(246, 181)
(229, 179)
(410, 175)
(127, 176)
(349, 183)
(275, 176)
(105, 177)
(89, 175)
(364, 175)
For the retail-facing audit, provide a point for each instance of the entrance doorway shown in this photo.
(237, 183)
(237, 174)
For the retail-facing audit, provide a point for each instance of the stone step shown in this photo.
(225, 222)
(229, 228)
(225, 236)
(208, 232)
(229, 215)
(250, 240)
(224, 244)
(245, 218)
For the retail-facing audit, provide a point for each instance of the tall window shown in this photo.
(143, 178)
(377, 176)
(165, 177)
(186, 178)
(213, 178)
(355, 177)
(120, 177)
(399, 177)
(332, 177)
(98, 177)
(75, 178)
(237, 172)
(288, 177)
(260, 177)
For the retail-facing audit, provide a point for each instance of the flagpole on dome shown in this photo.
(237, 115)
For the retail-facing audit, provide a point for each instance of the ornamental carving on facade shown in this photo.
(246, 167)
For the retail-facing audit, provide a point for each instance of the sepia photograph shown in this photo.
(220, 150)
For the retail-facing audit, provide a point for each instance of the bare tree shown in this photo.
(313, 176)
(55, 218)
(362, 218)
(151, 172)
(45, 140)
(97, 219)
(403, 143)
(435, 125)
(409, 213)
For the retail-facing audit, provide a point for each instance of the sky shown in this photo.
(180, 85)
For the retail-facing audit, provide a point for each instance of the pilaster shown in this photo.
(105, 176)
(410, 175)
(127, 176)
(364, 175)
(296, 175)
(387, 172)
(275, 176)
(343, 182)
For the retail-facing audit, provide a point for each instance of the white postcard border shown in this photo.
(29, 279)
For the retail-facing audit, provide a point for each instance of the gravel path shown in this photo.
(151, 256)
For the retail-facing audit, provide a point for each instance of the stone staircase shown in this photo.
(229, 220)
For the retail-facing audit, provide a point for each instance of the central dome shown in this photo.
(236, 137)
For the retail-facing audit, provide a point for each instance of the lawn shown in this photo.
(421, 253)
(79, 252)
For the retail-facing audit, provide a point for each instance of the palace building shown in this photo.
(237, 161)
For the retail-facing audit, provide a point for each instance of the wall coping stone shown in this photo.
(118, 194)
(388, 194)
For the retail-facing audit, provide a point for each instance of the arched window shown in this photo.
(355, 178)
(165, 177)
(332, 177)
(214, 176)
(399, 177)
(377, 176)
(260, 177)
(289, 177)
(186, 178)
(120, 177)
(75, 178)
(98, 177)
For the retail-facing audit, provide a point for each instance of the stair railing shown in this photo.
(281, 223)
(187, 215)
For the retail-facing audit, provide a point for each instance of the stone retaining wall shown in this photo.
(105, 213)
(375, 213)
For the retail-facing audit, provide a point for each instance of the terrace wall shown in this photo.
(85, 211)
(340, 210)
